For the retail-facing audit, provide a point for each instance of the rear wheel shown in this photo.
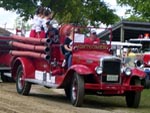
(133, 97)
(77, 90)
(4, 78)
(22, 86)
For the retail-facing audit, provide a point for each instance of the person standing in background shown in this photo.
(46, 18)
(36, 23)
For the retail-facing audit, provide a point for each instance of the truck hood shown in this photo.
(92, 59)
(90, 55)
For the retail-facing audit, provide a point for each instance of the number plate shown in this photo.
(112, 77)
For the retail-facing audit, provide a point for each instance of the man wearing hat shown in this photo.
(92, 39)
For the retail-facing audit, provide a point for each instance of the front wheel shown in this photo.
(77, 90)
(67, 90)
(147, 84)
(133, 97)
(22, 86)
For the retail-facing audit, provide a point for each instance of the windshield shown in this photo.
(88, 38)
(146, 47)
(122, 49)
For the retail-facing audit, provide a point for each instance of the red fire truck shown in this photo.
(94, 70)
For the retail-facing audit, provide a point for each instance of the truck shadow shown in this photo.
(89, 102)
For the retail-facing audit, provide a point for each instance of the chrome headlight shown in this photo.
(128, 71)
(98, 70)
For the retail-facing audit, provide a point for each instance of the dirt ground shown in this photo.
(43, 100)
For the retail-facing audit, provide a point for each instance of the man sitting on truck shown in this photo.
(92, 39)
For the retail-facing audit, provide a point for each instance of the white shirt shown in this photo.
(38, 24)
(34, 21)
(44, 24)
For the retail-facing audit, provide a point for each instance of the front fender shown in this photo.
(27, 64)
(138, 72)
(81, 69)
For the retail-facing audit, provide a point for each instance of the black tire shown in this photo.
(4, 78)
(22, 86)
(133, 97)
(10, 79)
(77, 90)
(147, 84)
(67, 90)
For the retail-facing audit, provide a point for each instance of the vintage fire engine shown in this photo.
(146, 57)
(94, 69)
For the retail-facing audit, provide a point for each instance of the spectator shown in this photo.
(46, 18)
(130, 53)
(36, 22)
(52, 32)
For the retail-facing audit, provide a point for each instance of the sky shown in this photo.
(7, 18)
(119, 10)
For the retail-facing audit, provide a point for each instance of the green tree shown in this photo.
(21, 24)
(139, 9)
(22, 7)
(80, 12)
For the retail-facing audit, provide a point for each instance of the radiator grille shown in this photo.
(111, 67)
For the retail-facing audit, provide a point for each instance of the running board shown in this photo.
(5, 69)
(43, 83)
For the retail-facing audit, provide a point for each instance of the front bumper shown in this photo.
(117, 89)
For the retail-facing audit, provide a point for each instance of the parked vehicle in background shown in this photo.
(146, 56)
(5, 59)
(130, 53)
(94, 70)
(122, 49)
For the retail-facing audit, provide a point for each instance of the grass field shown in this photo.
(119, 103)
(145, 102)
